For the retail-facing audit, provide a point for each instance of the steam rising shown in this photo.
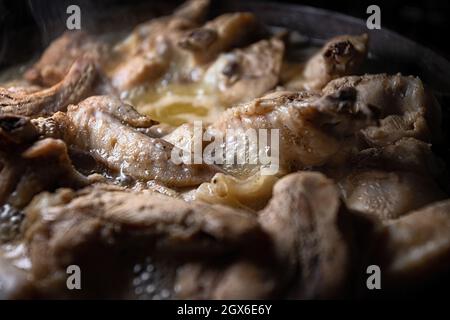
(51, 16)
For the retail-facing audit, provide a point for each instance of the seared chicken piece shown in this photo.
(236, 76)
(143, 37)
(301, 143)
(57, 59)
(304, 140)
(329, 129)
(415, 246)
(406, 154)
(388, 182)
(122, 111)
(146, 54)
(246, 232)
(69, 228)
(29, 170)
(401, 105)
(55, 169)
(218, 35)
(176, 70)
(98, 125)
(388, 194)
(73, 88)
(351, 113)
(340, 56)
(244, 74)
(304, 219)
(145, 50)
(140, 69)
(173, 223)
(149, 52)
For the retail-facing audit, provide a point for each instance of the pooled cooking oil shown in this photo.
(152, 280)
(175, 104)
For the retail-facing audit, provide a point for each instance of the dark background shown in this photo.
(426, 22)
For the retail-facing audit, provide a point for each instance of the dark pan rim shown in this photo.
(410, 57)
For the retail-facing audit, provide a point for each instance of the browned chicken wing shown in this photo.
(57, 59)
(73, 88)
(98, 125)
(340, 56)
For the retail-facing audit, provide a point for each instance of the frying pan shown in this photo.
(389, 51)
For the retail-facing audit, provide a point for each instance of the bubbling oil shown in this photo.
(10, 223)
(152, 281)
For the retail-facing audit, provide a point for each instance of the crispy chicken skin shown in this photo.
(308, 145)
(317, 127)
(71, 89)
